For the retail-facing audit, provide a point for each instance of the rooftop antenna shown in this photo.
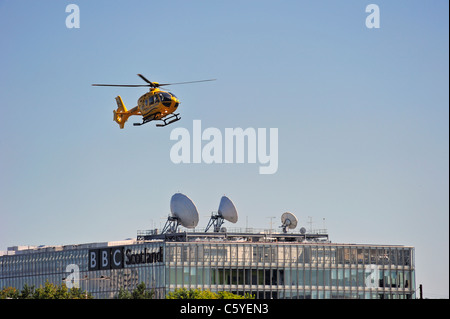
(227, 211)
(271, 217)
(183, 212)
(310, 222)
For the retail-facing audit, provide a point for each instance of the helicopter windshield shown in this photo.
(166, 98)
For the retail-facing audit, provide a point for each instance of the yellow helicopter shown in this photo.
(156, 105)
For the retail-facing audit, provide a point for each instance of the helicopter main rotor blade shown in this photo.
(146, 80)
(151, 84)
(122, 85)
(164, 84)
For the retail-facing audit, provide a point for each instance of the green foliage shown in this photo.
(52, 291)
(9, 293)
(140, 292)
(123, 294)
(183, 293)
(229, 295)
(49, 291)
(27, 292)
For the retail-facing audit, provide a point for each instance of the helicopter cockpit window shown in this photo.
(166, 98)
(151, 100)
(172, 94)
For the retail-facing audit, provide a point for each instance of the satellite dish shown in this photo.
(303, 230)
(227, 211)
(288, 220)
(184, 209)
(183, 212)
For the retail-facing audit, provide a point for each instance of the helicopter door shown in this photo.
(151, 100)
(155, 99)
(148, 104)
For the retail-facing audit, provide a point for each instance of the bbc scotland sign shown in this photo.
(119, 257)
(146, 256)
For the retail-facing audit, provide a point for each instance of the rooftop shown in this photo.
(235, 234)
(250, 235)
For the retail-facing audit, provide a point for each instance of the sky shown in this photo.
(362, 116)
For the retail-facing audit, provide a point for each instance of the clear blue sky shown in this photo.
(362, 117)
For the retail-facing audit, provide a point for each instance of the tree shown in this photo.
(229, 295)
(183, 293)
(123, 294)
(140, 292)
(27, 292)
(9, 293)
(52, 291)
(48, 291)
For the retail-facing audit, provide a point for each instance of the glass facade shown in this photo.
(278, 270)
(56, 264)
(293, 271)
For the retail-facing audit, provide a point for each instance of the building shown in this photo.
(263, 263)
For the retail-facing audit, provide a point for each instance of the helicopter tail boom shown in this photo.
(122, 114)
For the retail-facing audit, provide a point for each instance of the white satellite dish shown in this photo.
(184, 209)
(288, 220)
(184, 212)
(227, 211)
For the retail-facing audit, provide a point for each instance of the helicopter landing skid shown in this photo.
(172, 119)
(167, 121)
(143, 122)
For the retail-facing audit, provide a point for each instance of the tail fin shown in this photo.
(121, 115)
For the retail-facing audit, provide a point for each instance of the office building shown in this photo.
(267, 264)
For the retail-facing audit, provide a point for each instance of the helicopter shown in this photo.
(156, 105)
